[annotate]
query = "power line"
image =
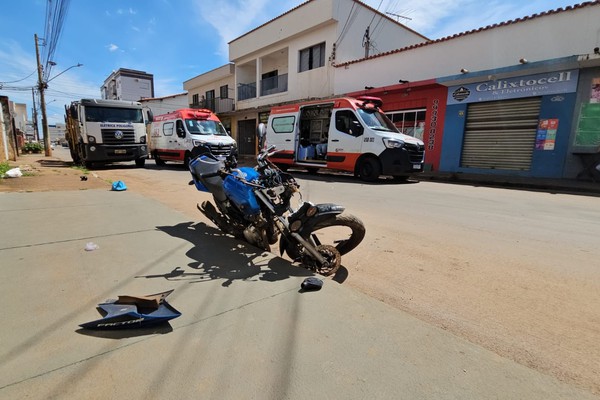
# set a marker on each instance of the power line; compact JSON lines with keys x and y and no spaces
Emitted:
{"x":56,"y":11}
{"x":19,"y":80}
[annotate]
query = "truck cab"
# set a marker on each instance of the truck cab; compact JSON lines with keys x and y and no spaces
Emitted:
{"x":101,"y":131}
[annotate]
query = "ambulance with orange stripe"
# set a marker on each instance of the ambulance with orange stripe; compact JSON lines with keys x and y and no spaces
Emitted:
{"x":344,"y":134}
{"x":175,"y":134}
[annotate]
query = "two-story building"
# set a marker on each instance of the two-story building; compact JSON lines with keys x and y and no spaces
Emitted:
{"x":325,"y":48}
{"x":293,"y":57}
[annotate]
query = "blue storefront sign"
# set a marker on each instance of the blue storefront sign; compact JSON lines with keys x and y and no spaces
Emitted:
{"x":511,"y":88}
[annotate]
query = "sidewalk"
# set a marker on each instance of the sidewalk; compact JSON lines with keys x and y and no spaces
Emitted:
{"x":246,"y":330}
{"x":571,"y":186}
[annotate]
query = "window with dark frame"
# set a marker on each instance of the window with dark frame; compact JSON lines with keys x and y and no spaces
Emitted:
{"x":409,"y":122}
{"x":312,"y":57}
{"x":224,"y":91}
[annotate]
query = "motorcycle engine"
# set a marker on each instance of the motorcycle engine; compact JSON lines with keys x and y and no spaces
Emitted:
{"x":257,"y":237}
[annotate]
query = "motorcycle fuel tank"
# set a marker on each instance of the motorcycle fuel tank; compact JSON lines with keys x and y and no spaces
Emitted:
{"x":240,"y":193}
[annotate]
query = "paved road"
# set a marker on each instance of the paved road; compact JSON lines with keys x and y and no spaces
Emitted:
{"x":246,"y":329}
{"x":514,"y":271}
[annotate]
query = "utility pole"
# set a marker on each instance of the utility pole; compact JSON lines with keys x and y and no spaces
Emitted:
{"x":36,"y":134}
{"x":367,"y":42}
{"x":42,"y":85}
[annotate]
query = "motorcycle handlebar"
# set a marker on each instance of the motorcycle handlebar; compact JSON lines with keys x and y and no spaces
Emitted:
{"x":266,"y":153}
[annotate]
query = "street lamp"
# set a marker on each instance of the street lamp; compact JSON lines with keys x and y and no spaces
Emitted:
{"x":57,"y":75}
{"x":42,"y":85}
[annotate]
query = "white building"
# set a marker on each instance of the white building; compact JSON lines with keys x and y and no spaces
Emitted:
{"x":540,"y":37}
{"x":166,"y":104}
{"x":293,"y":57}
{"x":325,"y":48}
{"x":128,"y":84}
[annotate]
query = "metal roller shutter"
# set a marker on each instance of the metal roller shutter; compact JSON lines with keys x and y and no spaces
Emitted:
{"x":501,"y":134}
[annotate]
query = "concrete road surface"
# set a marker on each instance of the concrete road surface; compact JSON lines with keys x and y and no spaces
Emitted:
{"x":246,"y":330}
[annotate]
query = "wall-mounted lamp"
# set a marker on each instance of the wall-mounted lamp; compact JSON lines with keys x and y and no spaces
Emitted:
{"x":523,"y":61}
{"x":402,"y":81}
{"x":369,"y":87}
{"x":596,"y":50}
{"x":464,"y":70}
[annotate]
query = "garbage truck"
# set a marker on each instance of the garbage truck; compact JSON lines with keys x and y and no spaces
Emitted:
{"x":103,"y":131}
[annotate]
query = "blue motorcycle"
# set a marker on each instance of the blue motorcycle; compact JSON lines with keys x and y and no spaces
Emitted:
{"x":254,"y":205}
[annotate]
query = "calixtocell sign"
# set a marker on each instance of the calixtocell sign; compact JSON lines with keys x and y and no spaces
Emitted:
{"x":515,"y":87}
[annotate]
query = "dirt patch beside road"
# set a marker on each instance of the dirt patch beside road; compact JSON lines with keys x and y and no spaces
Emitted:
{"x":42,"y":174}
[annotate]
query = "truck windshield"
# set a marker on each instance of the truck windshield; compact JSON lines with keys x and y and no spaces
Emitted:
{"x":113,"y":114}
{"x":376,"y":120}
{"x":205,"y":127}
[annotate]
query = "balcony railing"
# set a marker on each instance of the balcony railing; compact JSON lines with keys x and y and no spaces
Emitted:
{"x":218,"y":105}
{"x":275,"y":84}
{"x":246,"y":91}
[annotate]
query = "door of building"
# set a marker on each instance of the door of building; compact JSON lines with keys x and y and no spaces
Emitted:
{"x":501,"y":134}
{"x":247,"y":137}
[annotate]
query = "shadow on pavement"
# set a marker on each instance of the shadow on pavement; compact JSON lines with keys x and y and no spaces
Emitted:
{"x":219,"y":256}
{"x":159,"y":329}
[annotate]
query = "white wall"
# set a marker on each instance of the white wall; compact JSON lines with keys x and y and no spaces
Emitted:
{"x":167,"y":104}
{"x":547,"y":37}
{"x":386,"y":34}
{"x":133,"y":89}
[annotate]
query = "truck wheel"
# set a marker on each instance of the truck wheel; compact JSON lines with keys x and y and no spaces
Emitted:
{"x":369,"y":169}
{"x":158,"y":161}
{"x":140,"y":162}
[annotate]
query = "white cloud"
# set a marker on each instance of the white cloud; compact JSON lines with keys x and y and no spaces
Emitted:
{"x":112,"y":47}
{"x":241,"y":16}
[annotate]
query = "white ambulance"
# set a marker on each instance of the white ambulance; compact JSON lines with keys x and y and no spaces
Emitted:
{"x":175,"y":134}
{"x":344,"y":134}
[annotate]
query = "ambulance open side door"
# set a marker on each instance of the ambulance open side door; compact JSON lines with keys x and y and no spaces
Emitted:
{"x":282,"y":134}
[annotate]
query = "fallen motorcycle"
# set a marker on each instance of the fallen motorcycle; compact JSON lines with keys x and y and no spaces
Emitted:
{"x":254,"y":205}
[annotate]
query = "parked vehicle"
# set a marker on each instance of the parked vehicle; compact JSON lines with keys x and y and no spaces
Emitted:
{"x":254,"y":204}
{"x":174,"y":135}
{"x":344,"y":134}
{"x":103,"y":131}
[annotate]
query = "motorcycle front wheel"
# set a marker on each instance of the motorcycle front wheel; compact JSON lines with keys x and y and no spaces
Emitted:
{"x":343,"y":231}
{"x":333,"y":260}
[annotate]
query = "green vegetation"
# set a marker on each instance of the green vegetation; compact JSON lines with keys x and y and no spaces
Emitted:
{"x":34,"y":147}
{"x":3,"y":168}
{"x":81,"y":168}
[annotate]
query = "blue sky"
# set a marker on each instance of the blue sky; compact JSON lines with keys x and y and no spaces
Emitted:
{"x":176,"y":40}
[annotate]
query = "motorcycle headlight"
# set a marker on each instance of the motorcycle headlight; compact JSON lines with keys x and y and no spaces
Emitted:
{"x":393,"y":143}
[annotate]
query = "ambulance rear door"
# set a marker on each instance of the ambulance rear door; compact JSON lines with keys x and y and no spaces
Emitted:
{"x":281,"y":132}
